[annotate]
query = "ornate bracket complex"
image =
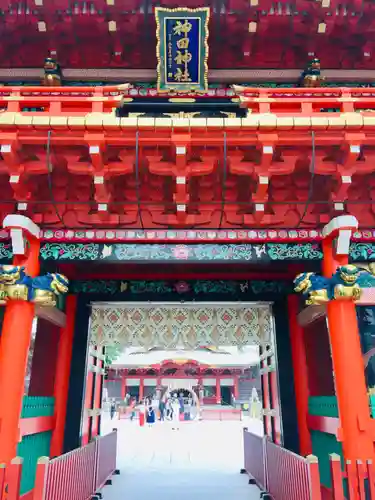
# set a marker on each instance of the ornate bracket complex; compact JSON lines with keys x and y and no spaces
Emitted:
{"x":340,"y":280}
{"x":319,"y":290}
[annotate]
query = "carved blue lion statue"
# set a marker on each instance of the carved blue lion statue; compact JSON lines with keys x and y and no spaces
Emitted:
{"x":319,"y":290}
{"x":15,"y":284}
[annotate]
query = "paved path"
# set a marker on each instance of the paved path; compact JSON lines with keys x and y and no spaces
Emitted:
{"x":201,"y":461}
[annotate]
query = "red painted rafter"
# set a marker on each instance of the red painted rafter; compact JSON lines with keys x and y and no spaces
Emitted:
{"x":36,"y":425}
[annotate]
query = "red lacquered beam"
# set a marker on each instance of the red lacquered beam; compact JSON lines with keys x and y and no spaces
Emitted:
{"x":102,"y":98}
{"x":329,"y":425}
{"x":35,"y":425}
{"x":63,"y":90}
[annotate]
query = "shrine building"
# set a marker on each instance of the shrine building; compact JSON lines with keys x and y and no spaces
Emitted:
{"x":219,"y":377}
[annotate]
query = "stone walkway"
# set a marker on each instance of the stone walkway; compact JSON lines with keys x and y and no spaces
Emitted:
{"x":201,"y":461}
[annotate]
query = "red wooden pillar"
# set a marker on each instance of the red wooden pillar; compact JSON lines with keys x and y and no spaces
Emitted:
{"x":45,"y":358}
{"x":62,"y":376}
{"x":355,"y":430}
{"x":123,"y":386}
{"x":301,"y":384}
{"x":15,"y":336}
{"x":218,"y":391}
{"x":266,"y":393}
{"x":87,"y":418}
{"x":274,"y":394}
{"x":141,"y":387}
{"x":200,"y":390}
{"x":97,"y":400}
{"x":93,"y":394}
{"x":235,"y":388}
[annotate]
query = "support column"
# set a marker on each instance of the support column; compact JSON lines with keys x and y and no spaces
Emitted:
{"x":98,"y":390}
{"x":218,"y":391}
{"x":141,"y":388}
{"x":355,"y":430}
{"x":301,"y":385}
{"x":123,"y":386}
{"x":16,"y":335}
{"x":159,"y":388}
{"x":235,"y":388}
{"x":200,"y":390}
{"x":61,"y":388}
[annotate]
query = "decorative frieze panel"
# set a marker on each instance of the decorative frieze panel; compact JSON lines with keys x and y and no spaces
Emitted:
{"x":206,"y":252}
{"x":119,"y":252}
{"x":173,"y":325}
{"x":187,"y":289}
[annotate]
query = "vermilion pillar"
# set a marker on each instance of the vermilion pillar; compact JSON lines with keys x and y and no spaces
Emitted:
{"x":62,"y":376}
{"x":141,"y":388}
{"x":88,"y":401}
{"x":98,"y":386}
{"x":15,"y":336}
{"x":123,"y":386}
{"x":301,"y":383}
{"x":355,"y":423}
{"x":235,"y":388}
{"x":218,"y":391}
{"x":200,"y":390}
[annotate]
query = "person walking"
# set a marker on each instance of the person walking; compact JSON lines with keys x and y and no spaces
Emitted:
{"x":132,"y":410}
{"x":162,"y":410}
{"x":168,"y":409}
{"x":142,"y":411}
{"x":175,"y":413}
{"x":150,"y":416}
{"x":112,"y":409}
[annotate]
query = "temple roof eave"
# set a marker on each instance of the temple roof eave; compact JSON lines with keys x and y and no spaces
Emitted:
{"x":206,"y":360}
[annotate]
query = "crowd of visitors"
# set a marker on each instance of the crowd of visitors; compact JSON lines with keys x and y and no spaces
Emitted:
{"x":172,"y":407}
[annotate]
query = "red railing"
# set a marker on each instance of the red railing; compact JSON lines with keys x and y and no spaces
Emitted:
{"x":77,"y":475}
{"x":288,"y":474}
{"x":105,"y":459}
{"x":77,"y":101}
{"x":254,"y":459}
{"x":72,"y":475}
{"x":360,"y":479}
{"x":281,"y":473}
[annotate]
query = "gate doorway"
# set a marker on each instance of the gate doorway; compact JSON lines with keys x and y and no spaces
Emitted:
{"x":185,"y":346}
{"x":226,"y":396}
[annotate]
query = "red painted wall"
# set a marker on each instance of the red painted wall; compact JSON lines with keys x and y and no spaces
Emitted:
{"x":44,"y":359}
{"x":318,"y":356}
